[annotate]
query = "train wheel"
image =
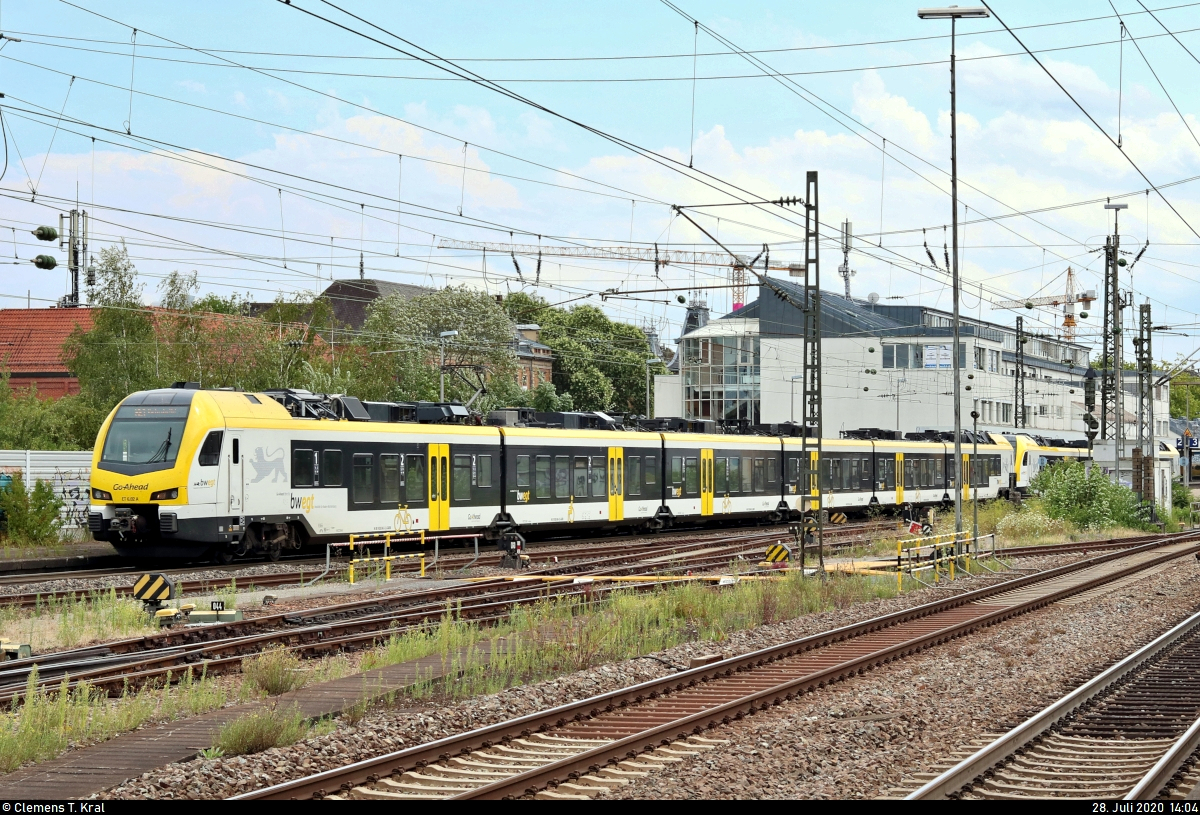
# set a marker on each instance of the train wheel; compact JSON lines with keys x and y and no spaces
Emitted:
{"x":223,"y":557}
{"x":274,"y":553}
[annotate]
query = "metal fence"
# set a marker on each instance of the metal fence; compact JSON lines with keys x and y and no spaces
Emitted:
{"x":68,"y":472}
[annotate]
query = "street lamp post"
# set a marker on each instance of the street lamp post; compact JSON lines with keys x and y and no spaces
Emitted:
{"x":445,"y":335}
{"x":794,"y":378}
{"x":953,"y":14}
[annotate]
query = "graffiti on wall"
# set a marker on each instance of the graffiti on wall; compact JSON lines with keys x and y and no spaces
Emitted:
{"x":71,"y":485}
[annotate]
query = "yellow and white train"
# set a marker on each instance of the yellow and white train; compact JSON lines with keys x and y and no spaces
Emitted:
{"x":188,"y":473}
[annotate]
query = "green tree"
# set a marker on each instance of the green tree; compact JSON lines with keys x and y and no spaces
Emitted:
{"x":120,"y":354}
{"x":601,"y":362}
{"x":1185,"y":394}
{"x":400,"y":346}
{"x":30,"y":423}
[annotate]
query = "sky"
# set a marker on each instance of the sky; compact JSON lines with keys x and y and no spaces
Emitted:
{"x":268,"y":146}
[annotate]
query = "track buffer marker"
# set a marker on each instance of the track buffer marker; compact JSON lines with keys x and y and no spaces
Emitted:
{"x":779,"y":553}
{"x":154,"y":589}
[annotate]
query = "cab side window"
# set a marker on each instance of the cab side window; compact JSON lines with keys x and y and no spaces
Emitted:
{"x":210,"y":451}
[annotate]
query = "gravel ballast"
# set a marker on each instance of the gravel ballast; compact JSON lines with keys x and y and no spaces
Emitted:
{"x":384,"y":730}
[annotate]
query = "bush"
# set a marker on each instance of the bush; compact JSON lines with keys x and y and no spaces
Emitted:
{"x":1088,"y":500}
{"x":261,"y":730}
{"x":1029,"y":523}
{"x":274,"y":671}
{"x":1181,"y":496}
{"x":32,"y":518}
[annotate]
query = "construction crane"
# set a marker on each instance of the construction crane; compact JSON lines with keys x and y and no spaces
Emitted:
{"x":659,"y":257}
{"x":1067,"y":300}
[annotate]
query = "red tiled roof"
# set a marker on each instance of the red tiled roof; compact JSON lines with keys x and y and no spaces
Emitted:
{"x":31,"y":339}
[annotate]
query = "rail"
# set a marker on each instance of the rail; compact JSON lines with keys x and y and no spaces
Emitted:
{"x":962,"y":615}
{"x":965,"y":773}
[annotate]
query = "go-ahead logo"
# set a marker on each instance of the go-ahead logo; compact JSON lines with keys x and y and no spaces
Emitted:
{"x":126,"y":487}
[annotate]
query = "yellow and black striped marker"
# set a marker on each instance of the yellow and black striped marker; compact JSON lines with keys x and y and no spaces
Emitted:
{"x":153,"y":588}
{"x":810,"y":522}
{"x":837,"y":518}
{"x":778,"y":553}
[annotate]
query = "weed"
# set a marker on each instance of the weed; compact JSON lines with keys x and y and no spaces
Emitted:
{"x":562,"y":635}
{"x":210,"y":753}
{"x":274,"y":671}
{"x":229,"y":594}
{"x":50,"y":720}
{"x":355,"y":713}
{"x":261,"y":730}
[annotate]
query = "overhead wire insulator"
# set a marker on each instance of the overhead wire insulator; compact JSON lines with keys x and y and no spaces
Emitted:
{"x":932,"y":261}
{"x":45,"y":262}
{"x":517,"y":266}
{"x":45,"y":233}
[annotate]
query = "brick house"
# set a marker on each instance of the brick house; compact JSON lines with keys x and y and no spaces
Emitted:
{"x":31,"y":341}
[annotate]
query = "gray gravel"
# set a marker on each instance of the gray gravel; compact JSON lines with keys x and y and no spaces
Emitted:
{"x":824,"y":745}
{"x":384,"y":730}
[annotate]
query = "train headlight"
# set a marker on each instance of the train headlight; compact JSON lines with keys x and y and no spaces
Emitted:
{"x":101,"y":495}
{"x":165,"y":495}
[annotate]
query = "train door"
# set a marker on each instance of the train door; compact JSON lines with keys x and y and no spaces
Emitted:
{"x":616,"y":483}
{"x":706,"y":482}
{"x":236,"y":482}
{"x":968,"y":477}
{"x":899,"y":479}
{"x":439,"y":487}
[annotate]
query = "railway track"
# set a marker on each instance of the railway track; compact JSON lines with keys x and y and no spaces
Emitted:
{"x":840,"y":538}
{"x":1130,"y":733}
{"x":350,"y":625}
{"x":579,"y":749}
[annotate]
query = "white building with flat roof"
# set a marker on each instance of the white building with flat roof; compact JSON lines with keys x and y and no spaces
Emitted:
{"x":883,"y":366}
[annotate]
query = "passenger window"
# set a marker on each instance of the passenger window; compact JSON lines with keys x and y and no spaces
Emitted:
{"x":676,"y":469}
{"x":461,"y":487}
{"x":303,"y":468}
{"x":331,"y":467}
{"x":747,"y":474}
{"x":771,"y":474}
{"x":691,"y":477}
{"x":760,"y":482}
{"x":735,"y":474}
{"x":580,"y":487}
{"x":562,"y":477}
{"x":364,"y":483}
{"x":542,"y":477}
{"x":719,"y":469}
{"x":599,"y":483}
{"x":210,"y":451}
{"x":414,"y":478}
{"x":633,"y":475}
{"x":483,"y":471}
{"x":793,"y":464}
{"x":389,"y":478}
{"x":651,"y":469}
{"x":523,"y":471}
